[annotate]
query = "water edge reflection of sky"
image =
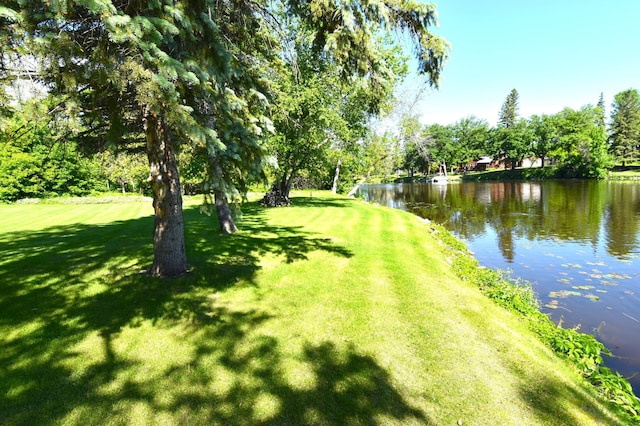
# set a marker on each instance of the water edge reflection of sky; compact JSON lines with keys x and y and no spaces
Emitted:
{"x":577,"y":242}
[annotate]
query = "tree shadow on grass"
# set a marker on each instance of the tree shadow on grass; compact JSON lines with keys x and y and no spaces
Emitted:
{"x":46,"y":273}
{"x":320,"y":202}
{"x":87,"y":339}
{"x":545,"y":394}
{"x":257,"y":238}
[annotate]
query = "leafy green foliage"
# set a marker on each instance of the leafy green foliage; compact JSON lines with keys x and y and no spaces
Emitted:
{"x":545,"y":135}
{"x":513,"y":143}
{"x":471,"y":136}
{"x":350,"y":31}
{"x":615,"y":389}
{"x":339,"y":71}
{"x":319,"y":115}
{"x":35,"y":158}
{"x":581,"y":149}
{"x":456,"y":145}
{"x":195,"y":75}
{"x":416,"y":143}
{"x":124,"y":169}
{"x":441,"y":141}
{"x":582,"y":349}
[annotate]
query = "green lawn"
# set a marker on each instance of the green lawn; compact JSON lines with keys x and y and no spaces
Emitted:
{"x":328,"y":312}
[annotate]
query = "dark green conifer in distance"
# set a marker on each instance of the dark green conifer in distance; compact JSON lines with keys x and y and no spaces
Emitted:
{"x":601,"y":118}
{"x":509,"y":111}
{"x":625,"y":126}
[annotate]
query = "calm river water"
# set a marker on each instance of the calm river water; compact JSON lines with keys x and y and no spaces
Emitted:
{"x":577,"y":242}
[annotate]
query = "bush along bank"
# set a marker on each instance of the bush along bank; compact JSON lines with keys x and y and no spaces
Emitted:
{"x":584,"y":351}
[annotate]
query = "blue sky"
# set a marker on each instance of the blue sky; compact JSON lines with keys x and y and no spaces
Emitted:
{"x":556,"y":54}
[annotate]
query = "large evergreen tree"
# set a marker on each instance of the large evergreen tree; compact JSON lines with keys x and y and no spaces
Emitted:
{"x":153,"y":69}
{"x":602,"y":116}
{"x":192,"y":72}
{"x":511,"y":137}
{"x":509,"y":111}
{"x":625,"y":126}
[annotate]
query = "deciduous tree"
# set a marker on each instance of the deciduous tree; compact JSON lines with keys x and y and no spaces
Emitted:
{"x":38,"y":157}
{"x":471,"y":136}
{"x":582,"y":150}
{"x":416,"y":145}
{"x":545,"y":135}
{"x":442,"y":140}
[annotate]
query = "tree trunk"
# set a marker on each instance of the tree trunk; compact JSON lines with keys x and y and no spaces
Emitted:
{"x":285,"y":185}
{"x":227,"y":225}
{"x":357,"y":186}
{"x":336,"y":176}
{"x":169,"y":255}
{"x":225,"y":219}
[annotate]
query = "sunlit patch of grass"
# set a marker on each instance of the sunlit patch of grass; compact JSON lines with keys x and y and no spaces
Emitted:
{"x":328,"y":312}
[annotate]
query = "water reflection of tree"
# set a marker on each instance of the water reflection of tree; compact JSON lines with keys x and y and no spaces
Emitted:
{"x":568,"y":210}
{"x":572,"y":210}
{"x":622,"y":218}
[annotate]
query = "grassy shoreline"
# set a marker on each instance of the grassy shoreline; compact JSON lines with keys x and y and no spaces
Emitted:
{"x":329,"y":312}
{"x":631,"y":173}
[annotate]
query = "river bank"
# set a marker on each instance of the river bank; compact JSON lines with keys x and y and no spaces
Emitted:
{"x":631,"y":173}
{"x":332,"y":311}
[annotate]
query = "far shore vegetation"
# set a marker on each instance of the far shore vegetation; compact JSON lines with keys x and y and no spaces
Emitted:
{"x":630,"y":173}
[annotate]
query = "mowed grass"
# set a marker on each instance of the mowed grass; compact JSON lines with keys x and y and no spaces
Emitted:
{"x":329,"y":312}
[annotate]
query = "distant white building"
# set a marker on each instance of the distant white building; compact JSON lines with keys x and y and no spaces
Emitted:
{"x":531,"y":162}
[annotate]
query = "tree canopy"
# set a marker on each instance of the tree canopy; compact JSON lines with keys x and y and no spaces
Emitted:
{"x":177,"y":74}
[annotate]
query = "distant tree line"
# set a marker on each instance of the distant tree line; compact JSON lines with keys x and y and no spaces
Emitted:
{"x":577,"y":143}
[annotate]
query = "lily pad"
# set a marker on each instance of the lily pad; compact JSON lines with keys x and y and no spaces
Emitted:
{"x":583,"y":287}
{"x":563,"y":294}
{"x":552,"y":304}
